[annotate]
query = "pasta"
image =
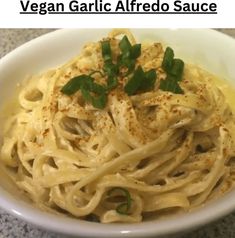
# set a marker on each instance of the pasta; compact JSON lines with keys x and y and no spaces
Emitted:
{"x":143,"y":154}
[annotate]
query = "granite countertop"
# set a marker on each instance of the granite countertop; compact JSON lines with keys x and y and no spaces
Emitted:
{"x":12,"y":227}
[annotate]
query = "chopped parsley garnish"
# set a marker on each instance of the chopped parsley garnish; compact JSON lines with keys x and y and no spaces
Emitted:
{"x":137,"y":79}
{"x":149,"y":80}
{"x":122,"y":208}
{"x":174,"y":69}
{"x":106,"y":51}
{"x":74,"y":84}
{"x":91,"y":91}
{"x":129,"y":54}
{"x":140,"y":81}
{"x":109,"y":67}
{"x":168,"y":59}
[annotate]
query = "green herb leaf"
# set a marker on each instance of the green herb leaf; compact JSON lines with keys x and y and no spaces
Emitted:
{"x":87,"y":86}
{"x":170,"y":84}
{"x":112,"y":72}
{"x":95,"y":93}
{"x":135,"y":51}
{"x":149,"y":80}
{"x":111,"y":69}
{"x":125,"y":45}
{"x":98,"y":101}
{"x":177,"y":68}
{"x":112,"y":82}
{"x":91,"y":86}
{"x":141,"y":81}
{"x":135,"y":82}
{"x":168,"y":59}
{"x":106,"y":50}
{"x":174,"y":69}
{"x":122,"y":208}
{"x":129,"y":64}
{"x":74,"y":84}
{"x":129,"y":55}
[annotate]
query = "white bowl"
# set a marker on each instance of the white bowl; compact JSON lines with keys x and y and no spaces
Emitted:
{"x":208,"y":48}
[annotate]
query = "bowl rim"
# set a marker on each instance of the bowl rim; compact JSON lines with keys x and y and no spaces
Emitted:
{"x":69,"y":226}
{"x":75,"y":227}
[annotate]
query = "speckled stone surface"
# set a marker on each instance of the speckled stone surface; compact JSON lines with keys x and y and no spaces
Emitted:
{"x":11,"y":227}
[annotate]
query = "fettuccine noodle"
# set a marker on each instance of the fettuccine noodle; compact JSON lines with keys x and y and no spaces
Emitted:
{"x":171,"y":152}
